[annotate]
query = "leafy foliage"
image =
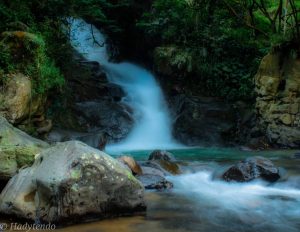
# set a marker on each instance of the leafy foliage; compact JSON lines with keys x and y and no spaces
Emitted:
{"x":48,"y":21}
{"x":25,"y":52}
{"x":225,"y":38}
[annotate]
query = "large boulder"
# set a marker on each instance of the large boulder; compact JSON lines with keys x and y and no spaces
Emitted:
{"x":93,"y":106}
{"x":278,"y":97}
{"x":252,"y":168}
{"x":72,"y":181}
{"x":112,"y":117}
{"x":17,"y":100}
{"x":202,"y":120}
{"x":17,"y":149}
{"x":22,"y":101}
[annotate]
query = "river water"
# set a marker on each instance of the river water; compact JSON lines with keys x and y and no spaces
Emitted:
{"x":199,"y":201}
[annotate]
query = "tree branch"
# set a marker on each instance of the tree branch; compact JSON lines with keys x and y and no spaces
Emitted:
{"x":232,"y":10}
{"x":94,"y":39}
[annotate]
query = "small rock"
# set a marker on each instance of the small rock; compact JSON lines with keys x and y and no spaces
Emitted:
{"x":165,"y":160}
{"x":132,"y":164}
{"x":161,"y":155}
{"x":252,"y":168}
{"x":153,"y":177}
{"x":155,"y":182}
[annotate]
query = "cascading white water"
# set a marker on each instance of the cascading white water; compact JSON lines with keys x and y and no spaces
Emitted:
{"x":256,"y":204}
{"x":152,"y":128}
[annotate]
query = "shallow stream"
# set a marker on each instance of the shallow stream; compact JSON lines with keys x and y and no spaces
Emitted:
{"x":199,"y":201}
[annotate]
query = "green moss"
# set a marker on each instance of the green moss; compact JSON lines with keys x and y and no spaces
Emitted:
{"x":76,"y":174}
{"x":8,"y":164}
{"x":23,"y":155}
{"x":26,"y":52}
{"x":130,"y":176}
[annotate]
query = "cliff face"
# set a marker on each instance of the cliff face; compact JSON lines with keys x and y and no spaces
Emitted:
{"x":278,"y":98}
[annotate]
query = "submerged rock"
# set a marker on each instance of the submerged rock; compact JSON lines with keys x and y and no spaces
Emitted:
{"x":72,"y":181}
{"x":252,"y":168}
{"x":17,"y":149}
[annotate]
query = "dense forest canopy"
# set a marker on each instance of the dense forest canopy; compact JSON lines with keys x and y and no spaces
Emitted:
{"x":218,"y":43}
{"x":222,"y":41}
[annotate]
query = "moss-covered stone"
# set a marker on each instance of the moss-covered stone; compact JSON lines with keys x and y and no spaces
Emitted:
{"x":72,"y":180}
{"x":17,"y":149}
{"x":18,"y":102}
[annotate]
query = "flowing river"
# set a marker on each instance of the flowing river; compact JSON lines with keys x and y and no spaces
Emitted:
{"x":201,"y":202}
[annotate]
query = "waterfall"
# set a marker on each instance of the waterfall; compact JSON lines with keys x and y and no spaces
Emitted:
{"x":152,"y":129}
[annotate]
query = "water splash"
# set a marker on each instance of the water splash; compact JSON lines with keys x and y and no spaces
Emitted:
{"x":152,"y":128}
{"x":256,"y":203}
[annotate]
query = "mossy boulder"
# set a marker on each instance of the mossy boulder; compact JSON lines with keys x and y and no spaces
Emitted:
{"x":25,"y":52}
{"x":21,"y":48}
{"x":17,"y":149}
{"x":17,"y":101}
{"x":69,"y":182}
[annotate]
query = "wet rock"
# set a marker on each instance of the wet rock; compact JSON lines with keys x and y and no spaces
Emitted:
{"x":154,"y":171}
{"x":259,"y":143}
{"x":93,"y":105}
{"x":17,"y":149}
{"x":154,"y":176}
{"x":115,"y":91}
{"x":69,"y":182}
{"x":155,"y":182}
{"x":202,"y":120}
{"x":132,"y":164}
{"x":161,"y":155}
{"x":112,"y":117}
{"x":252,"y":168}
{"x":165,"y":160}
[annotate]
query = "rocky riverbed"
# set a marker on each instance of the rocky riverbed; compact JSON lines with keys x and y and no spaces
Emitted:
{"x":182,"y":190}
